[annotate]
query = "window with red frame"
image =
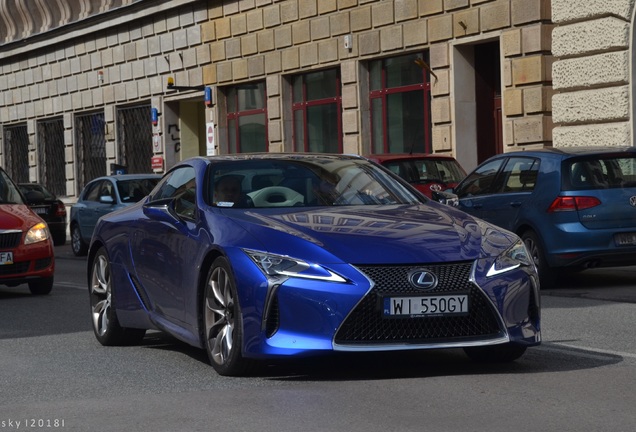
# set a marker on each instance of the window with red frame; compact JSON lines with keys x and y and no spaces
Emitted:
{"x":317,"y":110}
{"x":247,"y":118}
{"x":400,"y":104}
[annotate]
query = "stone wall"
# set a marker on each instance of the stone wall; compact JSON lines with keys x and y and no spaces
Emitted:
{"x":592,"y":41}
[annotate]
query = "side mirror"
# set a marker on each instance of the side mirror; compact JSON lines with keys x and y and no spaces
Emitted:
{"x":446,"y":197}
{"x":162,"y":210}
{"x":106,"y":199}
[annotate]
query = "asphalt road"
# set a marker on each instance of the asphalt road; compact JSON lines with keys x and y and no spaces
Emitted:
{"x":54,"y":374}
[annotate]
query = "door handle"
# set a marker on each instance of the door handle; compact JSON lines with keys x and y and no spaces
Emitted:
{"x":515,"y":204}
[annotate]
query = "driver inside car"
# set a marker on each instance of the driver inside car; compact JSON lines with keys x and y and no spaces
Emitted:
{"x":228,"y":192}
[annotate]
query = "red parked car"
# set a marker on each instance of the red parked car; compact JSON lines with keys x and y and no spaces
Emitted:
{"x":427,"y":172}
{"x":26,"y":248}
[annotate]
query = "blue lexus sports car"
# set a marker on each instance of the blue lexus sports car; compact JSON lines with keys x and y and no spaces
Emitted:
{"x":258,"y":256}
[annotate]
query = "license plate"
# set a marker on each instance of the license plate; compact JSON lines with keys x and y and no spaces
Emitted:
{"x":6,"y":258}
{"x":40,"y":210}
{"x":625,"y":239}
{"x":426,"y":305}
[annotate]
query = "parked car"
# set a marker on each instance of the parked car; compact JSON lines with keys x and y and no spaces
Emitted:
{"x":257,"y":256}
{"x":51,"y":209}
{"x":26,"y":249}
{"x":427,"y":172}
{"x":101,"y":196}
{"x":575,"y":208}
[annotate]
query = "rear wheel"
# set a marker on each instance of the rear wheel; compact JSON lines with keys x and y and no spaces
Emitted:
{"x":41,"y":286}
{"x":222,"y":322}
{"x":547,"y":275}
{"x":78,"y":245}
{"x":503,"y":353}
{"x":104,"y":317}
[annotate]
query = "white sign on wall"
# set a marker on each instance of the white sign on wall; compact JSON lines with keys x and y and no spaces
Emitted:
{"x":210,"y":144}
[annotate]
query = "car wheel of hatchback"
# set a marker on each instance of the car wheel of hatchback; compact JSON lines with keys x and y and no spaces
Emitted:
{"x":41,"y":286}
{"x":222,"y":322}
{"x":78,"y":245}
{"x":547,"y":275}
{"x":105,"y":323}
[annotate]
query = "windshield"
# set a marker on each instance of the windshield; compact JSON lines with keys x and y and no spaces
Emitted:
{"x":427,"y":170}
{"x":303,"y":182}
{"x":134,"y":190}
{"x":9,"y":193}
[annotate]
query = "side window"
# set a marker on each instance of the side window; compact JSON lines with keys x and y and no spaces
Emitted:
{"x":481,"y":181}
{"x":92,"y":194}
{"x":520,"y":174}
{"x":180,"y":185}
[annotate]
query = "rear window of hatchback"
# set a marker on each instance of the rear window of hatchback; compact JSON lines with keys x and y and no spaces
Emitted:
{"x":604,"y":172}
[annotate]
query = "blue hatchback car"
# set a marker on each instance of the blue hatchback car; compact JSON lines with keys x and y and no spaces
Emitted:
{"x":575,"y":208}
{"x":258,"y":256}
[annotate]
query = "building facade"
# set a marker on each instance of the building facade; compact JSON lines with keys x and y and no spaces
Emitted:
{"x":593,"y":77}
{"x":84,"y":84}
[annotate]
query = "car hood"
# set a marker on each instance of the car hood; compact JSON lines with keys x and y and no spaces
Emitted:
{"x":17,"y":217}
{"x":376,"y":234}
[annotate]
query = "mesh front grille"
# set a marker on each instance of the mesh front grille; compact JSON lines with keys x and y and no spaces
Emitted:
{"x":10,"y":240}
{"x":15,"y":268}
{"x":366,"y":324}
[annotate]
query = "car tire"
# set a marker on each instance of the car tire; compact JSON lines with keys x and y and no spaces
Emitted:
{"x":59,"y":238}
{"x":222,"y":322}
{"x":41,"y":286}
{"x":106,"y":326}
{"x":78,"y":245}
{"x":503,"y":353}
{"x":547,"y":274}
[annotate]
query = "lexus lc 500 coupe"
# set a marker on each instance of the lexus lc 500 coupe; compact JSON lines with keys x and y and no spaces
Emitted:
{"x":26,"y":247}
{"x":575,"y":208}
{"x":260,"y":256}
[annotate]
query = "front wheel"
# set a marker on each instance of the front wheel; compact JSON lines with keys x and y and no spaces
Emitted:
{"x":222,"y":321}
{"x":78,"y":245}
{"x":104,"y":317}
{"x":503,"y":353}
{"x":547,"y":275}
{"x":41,"y":286}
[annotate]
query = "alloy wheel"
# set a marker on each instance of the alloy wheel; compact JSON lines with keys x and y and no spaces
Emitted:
{"x":100,"y":295}
{"x":219,"y":316}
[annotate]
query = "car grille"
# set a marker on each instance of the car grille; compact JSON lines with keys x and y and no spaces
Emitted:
{"x":15,"y":268}
{"x":366,"y":324}
{"x":10,"y":240}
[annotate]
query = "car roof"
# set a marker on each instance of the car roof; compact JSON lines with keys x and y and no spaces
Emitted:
{"x":119,"y":177}
{"x":573,"y":151}
{"x":383,"y":157}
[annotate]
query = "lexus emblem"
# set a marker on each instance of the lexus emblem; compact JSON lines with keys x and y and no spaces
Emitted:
{"x":423,"y":279}
{"x":632,"y":201}
{"x":435,"y":187}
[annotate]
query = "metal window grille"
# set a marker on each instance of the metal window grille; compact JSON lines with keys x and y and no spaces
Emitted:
{"x":90,"y":138}
{"x":51,"y":163}
{"x":134,"y":137}
{"x":16,"y":151}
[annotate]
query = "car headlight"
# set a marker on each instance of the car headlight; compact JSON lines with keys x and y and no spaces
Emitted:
{"x":514,"y":257}
{"x":283,"y":265}
{"x":36,"y":234}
